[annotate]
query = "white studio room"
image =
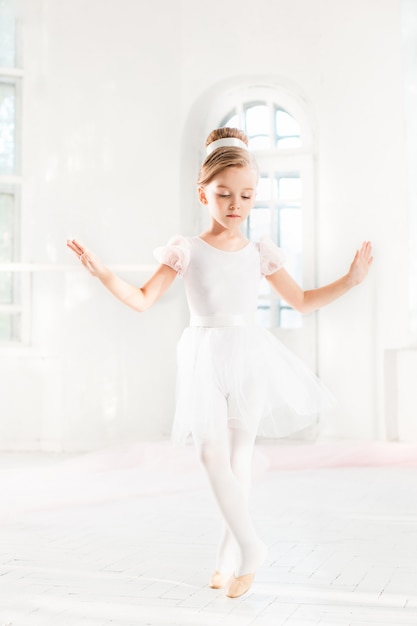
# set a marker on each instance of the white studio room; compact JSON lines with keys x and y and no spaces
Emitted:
{"x":106,"y":518}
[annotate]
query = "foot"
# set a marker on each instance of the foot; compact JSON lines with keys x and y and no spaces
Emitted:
{"x":239,"y":585}
{"x":251,"y":558}
{"x":218,"y":580}
{"x":255,"y":556}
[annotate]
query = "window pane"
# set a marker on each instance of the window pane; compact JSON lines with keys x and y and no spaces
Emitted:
{"x":6,"y":246}
{"x":261,"y":142}
{"x":291,"y":238}
{"x":263,"y":190}
{"x":264,"y":316}
{"x":264,"y":291}
{"x":6,"y":288}
{"x":286,"y":125}
{"x":7,"y":33}
{"x":257,"y":127}
{"x":289,"y":142}
{"x":291,"y":224}
{"x":259,"y":223}
{"x":290,"y":188}
{"x":257,"y":120}
{"x":10,"y":326}
{"x":7,"y":128}
{"x":291,"y":319}
{"x":6,"y":227}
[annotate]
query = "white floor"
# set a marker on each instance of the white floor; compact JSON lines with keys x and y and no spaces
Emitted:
{"x":127,"y":537}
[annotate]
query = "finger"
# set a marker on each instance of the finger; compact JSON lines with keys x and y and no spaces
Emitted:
{"x":71,"y":246}
{"x":366,"y":249}
{"x":79,"y":248}
{"x":369,"y":251}
{"x":367,"y":254}
{"x":75,"y":246}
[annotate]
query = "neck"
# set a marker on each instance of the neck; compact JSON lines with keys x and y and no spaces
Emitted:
{"x":217,"y":230}
{"x":224,"y":238}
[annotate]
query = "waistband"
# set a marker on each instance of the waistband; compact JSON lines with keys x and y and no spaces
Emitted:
{"x":221,"y":321}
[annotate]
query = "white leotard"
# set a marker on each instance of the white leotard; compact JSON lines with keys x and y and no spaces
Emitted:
{"x":228,"y":366}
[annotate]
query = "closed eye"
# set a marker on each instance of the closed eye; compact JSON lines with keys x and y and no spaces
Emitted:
{"x":227,"y":195}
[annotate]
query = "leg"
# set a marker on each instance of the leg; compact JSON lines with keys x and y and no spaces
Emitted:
{"x":241,"y":444}
{"x":232,"y":498}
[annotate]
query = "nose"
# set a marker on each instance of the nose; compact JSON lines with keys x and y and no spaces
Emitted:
{"x":234,"y":205}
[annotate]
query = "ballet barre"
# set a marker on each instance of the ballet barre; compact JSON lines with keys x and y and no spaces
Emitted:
{"x":56,"y":267}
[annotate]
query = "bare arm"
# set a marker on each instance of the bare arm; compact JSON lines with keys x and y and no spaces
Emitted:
{"x":312,"y":299}
{"x":137,"y":298}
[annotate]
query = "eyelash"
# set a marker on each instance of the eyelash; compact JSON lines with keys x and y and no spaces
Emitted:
{"x":221,"y":195}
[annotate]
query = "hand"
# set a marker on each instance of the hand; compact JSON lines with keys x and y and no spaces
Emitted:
{"x":90,"y":261}
{"x":361,"y":263}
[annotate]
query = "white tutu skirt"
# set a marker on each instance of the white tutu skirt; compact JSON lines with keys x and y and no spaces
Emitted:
{"x":242,"y":373}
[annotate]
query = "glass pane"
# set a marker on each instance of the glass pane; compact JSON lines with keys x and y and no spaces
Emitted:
{"x":260,"y":142}
{"x":289,"y":142}
{"x":291,"y":319}
{"x":259,"y":223}
{"x":286,"y":125}
{"x":263,"y":190}
{"x":257,"y":120}
{"x":7,"y":128}
{"x":264,"y":316}
{"x":290,"y":188}
{"x":7,"y":33}
{"x":291,"y":239}
{"x":264,"y":291}
{"x":10,"y":326}
{"x":6,"y":288}
{"x":6,"y":246}
{"x":6,"y":227}
{"x":291,"y":225}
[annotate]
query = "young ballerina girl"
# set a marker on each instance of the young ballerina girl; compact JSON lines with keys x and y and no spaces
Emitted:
{"x":235,"y":379}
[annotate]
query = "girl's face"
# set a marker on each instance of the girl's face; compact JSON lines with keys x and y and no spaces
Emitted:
{"x":230,"y":196}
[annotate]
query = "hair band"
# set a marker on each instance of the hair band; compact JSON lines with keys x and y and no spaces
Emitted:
{"x":227,"y":142}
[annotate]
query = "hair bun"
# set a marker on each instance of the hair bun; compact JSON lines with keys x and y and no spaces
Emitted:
{"x":227,"y":142}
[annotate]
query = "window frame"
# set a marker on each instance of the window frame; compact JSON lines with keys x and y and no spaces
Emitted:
{"x":280,"y":161}
{"x":11,"y":183}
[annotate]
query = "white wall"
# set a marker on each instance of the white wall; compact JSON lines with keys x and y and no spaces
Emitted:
{"x":115,"y":93}
{"x":362,"y":194}
{"x":100,"y":163}
{"x":409,"y":32}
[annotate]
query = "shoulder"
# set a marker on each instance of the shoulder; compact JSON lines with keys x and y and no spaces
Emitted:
{"x":176,"y":253}
{"x":272,"y":257}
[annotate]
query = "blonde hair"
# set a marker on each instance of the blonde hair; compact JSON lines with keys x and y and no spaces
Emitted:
{"x":225,"y":156}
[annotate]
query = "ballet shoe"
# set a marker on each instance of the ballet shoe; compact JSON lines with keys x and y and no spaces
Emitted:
{"x":218,"y":580}
{"x":239,"y":585}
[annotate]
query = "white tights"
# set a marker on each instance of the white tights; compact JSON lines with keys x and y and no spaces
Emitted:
{"x":227,"y":462}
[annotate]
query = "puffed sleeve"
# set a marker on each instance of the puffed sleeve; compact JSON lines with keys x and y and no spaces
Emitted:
{"x":175,"y":254}
{"x":272,"y":257}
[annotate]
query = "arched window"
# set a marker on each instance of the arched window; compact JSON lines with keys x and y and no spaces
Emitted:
{"x":275,"y":138}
